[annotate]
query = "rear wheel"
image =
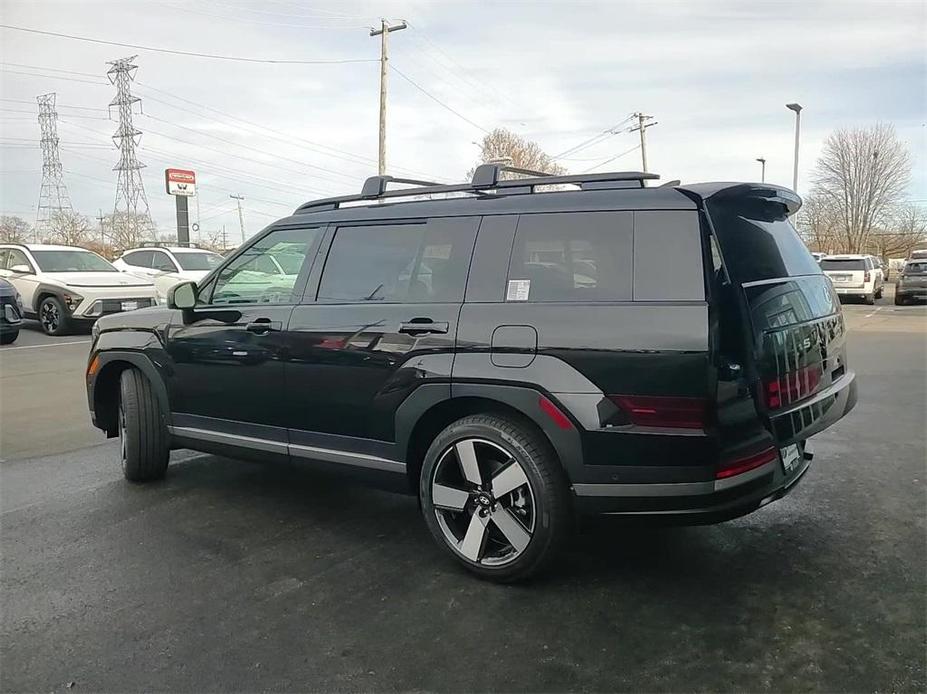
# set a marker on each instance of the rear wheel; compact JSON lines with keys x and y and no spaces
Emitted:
{"x":143,"y":439}
{"x":494,"y":496}
{"x":869,"y":299}
{"x":52,"y":316}
{"x":899,"y":299}
{"x":879,"y":293}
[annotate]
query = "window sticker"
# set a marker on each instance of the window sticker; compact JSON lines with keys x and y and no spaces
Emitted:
{"x":518,"y":290}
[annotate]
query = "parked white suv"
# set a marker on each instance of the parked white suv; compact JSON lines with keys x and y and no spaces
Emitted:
{"x":168,"y":265}
{"x":64,"y":286}
{"x":854,"y":275}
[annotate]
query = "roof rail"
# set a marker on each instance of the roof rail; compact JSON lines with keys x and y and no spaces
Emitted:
{"x":485,"y":180}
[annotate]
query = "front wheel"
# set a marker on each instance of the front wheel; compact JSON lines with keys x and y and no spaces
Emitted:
{"x":9,"y":338}
{"x":53,"y":318}
{"x":144,"y":448}
{"x":899,"y":300}
{"x":494,"y":496}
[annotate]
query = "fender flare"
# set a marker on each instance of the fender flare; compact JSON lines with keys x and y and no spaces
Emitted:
{"x":137,"y":360}
{"x":43,"y":289}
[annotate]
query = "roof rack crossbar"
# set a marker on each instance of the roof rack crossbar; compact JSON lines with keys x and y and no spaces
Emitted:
{"x":485,"y":179}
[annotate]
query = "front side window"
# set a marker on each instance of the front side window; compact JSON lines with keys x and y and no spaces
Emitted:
{"x":196,"y":262}
{"x":17,"y":257}
{"x":161,"y":261}
{"x":580,"y":257}
{"x":408,"y":263}
{"x":71,"y":261}
{"x":251,"y":279}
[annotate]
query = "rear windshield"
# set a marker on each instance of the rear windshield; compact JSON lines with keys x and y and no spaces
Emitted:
{"x":850,"y":264}
{"x":758,"y":241}
{"x":919,"y":268}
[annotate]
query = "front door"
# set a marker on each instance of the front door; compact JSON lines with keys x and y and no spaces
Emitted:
{"x":228,"y":352}
{"x":384,"y":322}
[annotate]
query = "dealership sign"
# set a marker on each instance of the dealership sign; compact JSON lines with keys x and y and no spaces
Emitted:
{"x":180,"y":182}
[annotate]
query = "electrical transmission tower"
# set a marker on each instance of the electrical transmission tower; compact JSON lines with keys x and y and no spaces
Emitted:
{"x":131,"y":215}
{"x":53,"y":197}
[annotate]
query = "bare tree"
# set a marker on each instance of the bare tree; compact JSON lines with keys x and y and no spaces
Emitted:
{"x":68,"y":228}
{"x":127,"y":230}
{"x":503,"y":145}
{"x":906,"y":229}
{"x":14,"y":229}
{"x":862,"y":172}
{"x":817,"y":224}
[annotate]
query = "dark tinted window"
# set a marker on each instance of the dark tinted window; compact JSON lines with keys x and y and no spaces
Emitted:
{"x":198,"y":261}
{"x":915,"y":268}
{"x":758,"y":242}
{"x":836,"y":264}
{"x":408,"y":263}
{"x":249,"y":278}
{"x":161,"y":261}
{"x":138,"y":259}
{"x":668,"y":262}
{"x":585,"y":256}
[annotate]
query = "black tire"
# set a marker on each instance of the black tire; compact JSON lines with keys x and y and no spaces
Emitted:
{"x":53,"y":317}
{"x":9,"y":338}
{"x":879,"y":293}
{"x":543,"y":494}
{"x":869,"y":299}
{"x":900,"y":300}
{"x":143,"y":438}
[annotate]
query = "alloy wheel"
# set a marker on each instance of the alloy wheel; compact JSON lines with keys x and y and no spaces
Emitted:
{"x":483,"y":502}
{"x":49,"y":317}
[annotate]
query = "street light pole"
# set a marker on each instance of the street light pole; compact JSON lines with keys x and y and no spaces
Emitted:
{"x":762,"y":169}
{"x":797,"y":109}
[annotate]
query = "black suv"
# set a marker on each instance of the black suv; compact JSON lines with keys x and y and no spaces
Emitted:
{"x":516,"y":353}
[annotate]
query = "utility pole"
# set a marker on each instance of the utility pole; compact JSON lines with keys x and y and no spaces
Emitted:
{"x":102,"y":234}
{"x":53,"y":195}
{"x":225,"y":239}
{"x":131,"y":200}
{"x":642,"y":127}
{"x":241,"y":218}
{"x":762,"y":161}
{"x":383,"y":32}
{"x":797,"y":109}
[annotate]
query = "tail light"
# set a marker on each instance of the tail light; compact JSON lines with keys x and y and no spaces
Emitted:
{"x":867,"y":276}
{"x":660,"y":411}
{"x":792,"y":386}
{"x":738,"y":466}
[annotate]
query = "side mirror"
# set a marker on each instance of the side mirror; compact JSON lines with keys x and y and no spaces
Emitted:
{"x":182,"y":296}
{"x":21,"y":270}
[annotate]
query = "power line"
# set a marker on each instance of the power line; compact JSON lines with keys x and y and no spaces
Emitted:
{"x":53,"y":69}
{"x":604,"y":135}
{"x":611,"y":159}
{"x":436,"y":99}
{"x":81,"y":108}
{"x":53,"y":77}
{"x":191,"y":54}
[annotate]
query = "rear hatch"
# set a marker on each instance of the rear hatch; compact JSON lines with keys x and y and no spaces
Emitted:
{"x":788,"y":320}
{"x":849,"y":273}
{"x":914,"y":274}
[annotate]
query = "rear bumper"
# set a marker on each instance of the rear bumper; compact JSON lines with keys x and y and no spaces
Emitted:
{"x":693,"y":503}
{"x":855,"y":291}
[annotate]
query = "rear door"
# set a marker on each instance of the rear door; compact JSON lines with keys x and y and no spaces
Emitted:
{"x":383,"y":322}
{"x":789,"y":318}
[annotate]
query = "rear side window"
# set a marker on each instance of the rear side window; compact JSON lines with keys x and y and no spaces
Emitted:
{"x":833,"y":264}
{"x":577,"y":257}
{"x":399,"y":263}
{"x":138,"y":259}
{"x":668,"y":262}
{"x":758,"y":241}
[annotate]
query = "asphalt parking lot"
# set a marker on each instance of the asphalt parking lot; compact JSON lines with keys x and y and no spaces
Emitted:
{"x":234,"y":576}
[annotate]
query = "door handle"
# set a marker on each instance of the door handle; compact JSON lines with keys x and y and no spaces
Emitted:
{"x":262,"y":326}
{"x":423,"y":326}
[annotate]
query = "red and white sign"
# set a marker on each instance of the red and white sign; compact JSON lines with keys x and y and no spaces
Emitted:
{"x":180,"y":182}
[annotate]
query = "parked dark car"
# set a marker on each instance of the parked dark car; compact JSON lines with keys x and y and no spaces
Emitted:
{"x":529,"y":350}
{"x":11,"y":313}
{"x":912,"y":283}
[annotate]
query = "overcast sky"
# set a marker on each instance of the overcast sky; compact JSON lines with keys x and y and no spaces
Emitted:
{"x":714,"y":74}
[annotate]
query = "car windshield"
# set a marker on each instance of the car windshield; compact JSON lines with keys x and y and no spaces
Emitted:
{"x":919,"y":268}
{"x":839,"y":264}
{"x":198,"y":261}
{"x":71,"y":261}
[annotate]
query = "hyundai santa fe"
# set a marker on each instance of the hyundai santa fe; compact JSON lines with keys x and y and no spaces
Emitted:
{"x":517,"y":353}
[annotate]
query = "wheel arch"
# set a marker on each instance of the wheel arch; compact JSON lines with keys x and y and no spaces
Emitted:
{"x":422,"y":418}
{"x":105,"y":387}
{"x":43,"y":291}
